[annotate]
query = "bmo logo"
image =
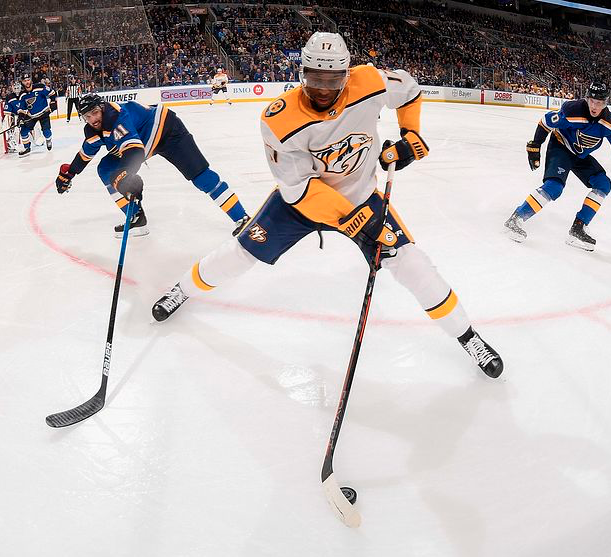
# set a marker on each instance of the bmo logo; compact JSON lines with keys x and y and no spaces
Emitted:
{"x":499,"y":96}
{"x":257,"y":89}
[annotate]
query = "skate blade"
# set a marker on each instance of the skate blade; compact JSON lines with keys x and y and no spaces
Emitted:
{"x":514,"y":236}
{"x":134,"y":232}
{"x":575,"y":243}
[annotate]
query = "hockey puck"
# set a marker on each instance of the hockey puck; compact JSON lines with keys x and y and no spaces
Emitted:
{"x":349,"y":494}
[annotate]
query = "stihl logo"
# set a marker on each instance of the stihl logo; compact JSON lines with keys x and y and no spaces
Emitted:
{"x":107,"y":352}
{"x":257,"y":233}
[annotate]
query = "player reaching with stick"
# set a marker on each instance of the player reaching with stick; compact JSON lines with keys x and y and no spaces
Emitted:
{"x":132,"y":133}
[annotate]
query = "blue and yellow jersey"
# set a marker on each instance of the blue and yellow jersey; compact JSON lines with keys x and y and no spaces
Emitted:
{"x":576,"y":128}
{"x":11,"y":103}
{"x":36,"y":101}
{"x":127,"y":128}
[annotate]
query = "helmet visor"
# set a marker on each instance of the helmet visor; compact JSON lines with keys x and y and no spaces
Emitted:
{"x":332,"y":80}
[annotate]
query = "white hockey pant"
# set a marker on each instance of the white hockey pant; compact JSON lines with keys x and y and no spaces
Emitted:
{"x":228,"y":261}
{"x":412,"y":268}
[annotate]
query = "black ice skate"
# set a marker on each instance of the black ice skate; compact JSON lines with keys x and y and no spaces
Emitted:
{"x":514,"y":227}
{"x":486,"y":358}
{"x":25,"y":151}
{"x":240,"y":225}
{"x":579,"y":238}
{"x":49,"y":144}
{"x":136,"y":228}
{"x":169,"y":303}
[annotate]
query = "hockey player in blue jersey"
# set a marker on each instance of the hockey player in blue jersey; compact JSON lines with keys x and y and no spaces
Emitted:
{"x":34,"y":101}
{"x":132,"y":133}
{"x":578,"y":129}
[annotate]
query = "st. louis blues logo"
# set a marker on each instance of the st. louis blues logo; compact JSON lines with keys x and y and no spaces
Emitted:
{"x":347,"y":155}
{"x":30,"y":102}
{"x":585,"y":142}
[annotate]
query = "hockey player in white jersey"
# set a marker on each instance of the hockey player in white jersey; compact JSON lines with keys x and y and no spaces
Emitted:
{"x":219,"y":85}
{"x":323,"y":149}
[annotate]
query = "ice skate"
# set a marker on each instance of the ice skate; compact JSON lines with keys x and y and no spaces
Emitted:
{"x":137,"y":226}
{"x":169,"y":303}
{"x":486,"y":358}
{"x":240,"y":225}
{"x":25,"y":151}
{"x":514,"y":228}
{"x":49,"y":144}
{"x":579,"y":238}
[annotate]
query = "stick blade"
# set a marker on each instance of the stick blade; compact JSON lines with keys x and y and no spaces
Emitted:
{"x":344,"y":510}
{"x":77,"y":414}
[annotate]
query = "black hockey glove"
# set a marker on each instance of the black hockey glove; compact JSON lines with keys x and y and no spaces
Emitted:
{"x":129,"y":185}
{"x":53,"y":105}
{"x":366,"y":229}
{"x":534,"y":154}
{"x":64,"y":178}
{"x":409,"y":148}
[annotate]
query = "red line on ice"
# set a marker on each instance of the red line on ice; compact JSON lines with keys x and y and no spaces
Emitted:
{"x":52,"y":245}
{"x":586,"y":311}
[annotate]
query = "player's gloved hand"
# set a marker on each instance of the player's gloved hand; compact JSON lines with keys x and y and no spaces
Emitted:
{"x":366,"y":228}
{"x":129,"y":185}
{"x":409,"y":148}
{"x":534,"y":154}
{"x":53,"y":106}
{"x":64,"y":178}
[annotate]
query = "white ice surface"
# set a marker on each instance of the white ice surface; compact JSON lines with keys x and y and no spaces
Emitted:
{"x":216,"y":422}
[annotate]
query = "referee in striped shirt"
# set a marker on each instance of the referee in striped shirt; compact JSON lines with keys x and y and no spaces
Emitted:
{"x":73,"y":92}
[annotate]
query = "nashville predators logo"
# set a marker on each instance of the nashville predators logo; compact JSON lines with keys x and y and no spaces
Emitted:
{"x":347,"y":155}
{"x":257,"y":233}
{"x":585,"y":142}
{"x":277,"y":106}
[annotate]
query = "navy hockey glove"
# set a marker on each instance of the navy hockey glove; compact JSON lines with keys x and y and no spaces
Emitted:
{"x":534,"y":154}
{"x":366,"y":229}
{"x":129,"y":185}
{"x":64,"y":178}
{"x":409,"y":148}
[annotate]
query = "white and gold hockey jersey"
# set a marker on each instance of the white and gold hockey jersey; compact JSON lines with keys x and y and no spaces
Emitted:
{"x":220,"y":80}
{"x":325,"y":162}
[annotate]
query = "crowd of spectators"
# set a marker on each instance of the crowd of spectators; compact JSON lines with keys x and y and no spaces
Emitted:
{"x":161,"y":45}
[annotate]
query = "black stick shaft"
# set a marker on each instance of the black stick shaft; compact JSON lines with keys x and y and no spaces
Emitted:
{"x":327,"y":468}
{"x":115,"y":300}
{"x":96,"y":403}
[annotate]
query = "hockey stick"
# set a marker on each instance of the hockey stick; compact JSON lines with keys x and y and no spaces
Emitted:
{"x":342,"y":500}
{"x":96,"y":403}
{"x":17,"y":124}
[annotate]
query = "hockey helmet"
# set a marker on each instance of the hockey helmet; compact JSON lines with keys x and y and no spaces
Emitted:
{"x":598,"y":90}
{"x":325,"y":63}
{"x":89,"y":101}
{"x":25,"y":76}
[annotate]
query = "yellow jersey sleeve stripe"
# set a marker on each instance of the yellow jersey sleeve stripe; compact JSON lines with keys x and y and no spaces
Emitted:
{"x":444,"y":308}
{"x":84,"y":156}
{"x":131,"y":146}
{"x":577,"y":119}
{"x":94,"y":139}
{"x":159,"y":133}
{"x":321,"y":203}
{"x":197,"y":279}
{"x":605,"y":123}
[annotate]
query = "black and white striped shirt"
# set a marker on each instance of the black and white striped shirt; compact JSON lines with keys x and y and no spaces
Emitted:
{"x":74,"y":91}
